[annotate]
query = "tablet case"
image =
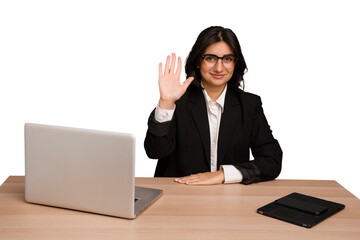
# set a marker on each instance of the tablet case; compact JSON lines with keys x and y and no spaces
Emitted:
{"x":302,"y":210}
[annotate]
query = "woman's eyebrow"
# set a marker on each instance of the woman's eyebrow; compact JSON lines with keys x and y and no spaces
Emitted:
{"x":217,"y":55}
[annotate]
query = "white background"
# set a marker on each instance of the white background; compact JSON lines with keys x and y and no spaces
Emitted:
{"x":93,"y":64}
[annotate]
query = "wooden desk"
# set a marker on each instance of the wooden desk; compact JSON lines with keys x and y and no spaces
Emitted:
{"x":183,"y":212}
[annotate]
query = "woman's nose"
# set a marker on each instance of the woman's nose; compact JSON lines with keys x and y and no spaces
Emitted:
{"x":219,"y":66}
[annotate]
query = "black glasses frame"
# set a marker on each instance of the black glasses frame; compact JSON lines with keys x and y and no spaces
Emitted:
{"x":217,"y":57}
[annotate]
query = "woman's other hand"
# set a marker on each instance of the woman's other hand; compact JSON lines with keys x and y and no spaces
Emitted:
{"x":169,"y":83}
{"x":207,"y":178}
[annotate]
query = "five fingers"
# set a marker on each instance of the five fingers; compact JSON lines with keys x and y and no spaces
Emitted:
{"x":169,"y":79}
{"x":205,"y":178}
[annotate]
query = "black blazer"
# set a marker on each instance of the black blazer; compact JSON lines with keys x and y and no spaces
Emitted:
{"x":182,"y":145}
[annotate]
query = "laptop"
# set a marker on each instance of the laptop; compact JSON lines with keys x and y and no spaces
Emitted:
{"x":300,"y":209}
{"x":86,"y":170}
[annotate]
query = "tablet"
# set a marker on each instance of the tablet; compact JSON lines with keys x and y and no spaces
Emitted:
{"x":302,"y":210}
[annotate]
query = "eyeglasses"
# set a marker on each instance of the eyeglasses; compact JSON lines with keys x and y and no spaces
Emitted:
{"x":212,"y":59}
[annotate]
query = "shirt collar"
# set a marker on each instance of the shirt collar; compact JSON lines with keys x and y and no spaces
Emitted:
{"x":220,"y":100}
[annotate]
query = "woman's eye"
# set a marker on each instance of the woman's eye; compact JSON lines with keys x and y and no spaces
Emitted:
{"x":209,"y":58}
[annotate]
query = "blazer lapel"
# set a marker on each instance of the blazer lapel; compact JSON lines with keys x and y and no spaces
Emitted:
{"x":229,"y":119}
{"x":199,"y":114}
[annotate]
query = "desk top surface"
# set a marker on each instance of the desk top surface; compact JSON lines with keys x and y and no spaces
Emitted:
{"x":225,"y":211}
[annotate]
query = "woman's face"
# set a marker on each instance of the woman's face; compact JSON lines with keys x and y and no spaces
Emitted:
{"x":215,"y":74}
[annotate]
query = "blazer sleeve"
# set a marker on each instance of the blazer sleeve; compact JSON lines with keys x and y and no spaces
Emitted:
{"x":160,"y":138}
{"x":265,"y":149}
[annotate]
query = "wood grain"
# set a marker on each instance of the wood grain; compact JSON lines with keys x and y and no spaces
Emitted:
{"x":183,"y":212}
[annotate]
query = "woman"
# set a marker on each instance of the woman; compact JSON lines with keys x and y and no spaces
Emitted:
{"x":202,"y":130}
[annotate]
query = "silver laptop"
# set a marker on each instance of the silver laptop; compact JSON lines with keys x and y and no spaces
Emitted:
{"x":86,"y":170}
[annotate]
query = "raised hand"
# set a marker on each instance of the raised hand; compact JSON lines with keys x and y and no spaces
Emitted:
{"x":169,"y":83}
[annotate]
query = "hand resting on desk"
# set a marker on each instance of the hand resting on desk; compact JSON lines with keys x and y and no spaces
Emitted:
{"x":207,"y":178}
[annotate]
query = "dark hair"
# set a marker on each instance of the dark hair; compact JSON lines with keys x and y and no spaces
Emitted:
{"x":205,"y":39}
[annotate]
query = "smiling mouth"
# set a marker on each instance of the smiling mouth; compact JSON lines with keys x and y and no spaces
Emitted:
{"x":218,"y":76}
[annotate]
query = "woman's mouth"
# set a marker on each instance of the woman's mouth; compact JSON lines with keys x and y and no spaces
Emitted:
{"x":218,"y":76}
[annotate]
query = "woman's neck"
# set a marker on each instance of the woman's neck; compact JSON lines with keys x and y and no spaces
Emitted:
{"x":213,"y":92}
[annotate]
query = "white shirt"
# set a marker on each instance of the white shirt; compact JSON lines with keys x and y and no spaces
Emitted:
{"x":214,"y":112}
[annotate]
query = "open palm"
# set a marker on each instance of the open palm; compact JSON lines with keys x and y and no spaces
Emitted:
{"x":169,"y":82}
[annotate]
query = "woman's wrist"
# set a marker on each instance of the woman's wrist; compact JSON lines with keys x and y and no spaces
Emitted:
{"x":221,"y":175}
{"x":166,"y":104}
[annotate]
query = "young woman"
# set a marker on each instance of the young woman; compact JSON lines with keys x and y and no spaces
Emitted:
{"x":202,"y":130}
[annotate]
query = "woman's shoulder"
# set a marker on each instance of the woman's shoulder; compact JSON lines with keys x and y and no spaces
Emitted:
{"x":247,"y":97}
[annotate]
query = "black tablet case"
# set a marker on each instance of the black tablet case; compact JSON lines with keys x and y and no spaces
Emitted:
{"x":302,"y":210}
